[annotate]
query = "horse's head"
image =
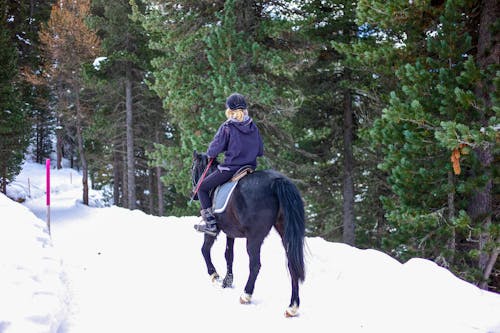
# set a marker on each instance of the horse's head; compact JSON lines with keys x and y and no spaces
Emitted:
{"x":200,"y":162}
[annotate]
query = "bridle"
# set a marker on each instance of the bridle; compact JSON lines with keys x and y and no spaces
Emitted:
{"x":210,"y":160}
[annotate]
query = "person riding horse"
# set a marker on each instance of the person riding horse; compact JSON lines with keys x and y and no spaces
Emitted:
{"x":239,"y":138}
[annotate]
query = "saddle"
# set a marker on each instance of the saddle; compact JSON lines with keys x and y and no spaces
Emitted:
{"x":223,"y":192}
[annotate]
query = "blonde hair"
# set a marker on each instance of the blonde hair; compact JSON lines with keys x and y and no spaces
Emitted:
{"x":238,"y":114}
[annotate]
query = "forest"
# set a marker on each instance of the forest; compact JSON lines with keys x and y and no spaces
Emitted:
{"x":383,"y":113}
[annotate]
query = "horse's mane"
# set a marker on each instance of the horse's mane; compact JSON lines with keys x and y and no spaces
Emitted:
{"x":200,"y":162}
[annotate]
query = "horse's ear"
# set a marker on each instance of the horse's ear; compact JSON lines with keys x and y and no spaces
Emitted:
{"x":195,"y":154}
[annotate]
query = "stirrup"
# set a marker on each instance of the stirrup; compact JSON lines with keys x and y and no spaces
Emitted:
{"x":204,"y":228}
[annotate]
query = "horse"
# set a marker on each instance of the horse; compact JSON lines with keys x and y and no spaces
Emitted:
{"x":259,"y":201}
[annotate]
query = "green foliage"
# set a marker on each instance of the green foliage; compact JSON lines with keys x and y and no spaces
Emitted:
{"x":424,"y":109}
{"x":205,"y":54}
{"x":14,"y":127}
{"x":127,"y":60}
{"x":433,"y":113}
{"x":332,"y":63}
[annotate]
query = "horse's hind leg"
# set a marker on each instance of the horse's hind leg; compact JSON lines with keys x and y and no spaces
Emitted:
{"x":229,"y":254}
{"x":253,"y":250}
{"x":293,"y":308}
{"x":205,"y":250}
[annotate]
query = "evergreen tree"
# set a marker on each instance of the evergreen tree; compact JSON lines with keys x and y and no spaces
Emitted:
{"x":68,"y":44}
{"x":178,"y":32}
{"x":122,"y":94}
{"x":25,"y":19}
{"x":389,"y":35}
{"x":209,"y":50}
{"x":330,"y":118}
{"x":432,"y":117}
{"x":13,"y":121}
{"x":482,"y":209}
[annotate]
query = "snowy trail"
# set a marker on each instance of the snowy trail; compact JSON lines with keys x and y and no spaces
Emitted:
{"x":125,"y":279}
{"x":130,"y":272}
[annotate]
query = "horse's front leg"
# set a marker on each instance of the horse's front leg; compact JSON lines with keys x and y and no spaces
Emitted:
{"x":229,"y":254}
{"x":205,"y":250}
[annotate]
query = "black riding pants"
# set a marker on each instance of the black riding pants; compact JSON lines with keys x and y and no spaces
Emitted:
{"x":213,"y":180}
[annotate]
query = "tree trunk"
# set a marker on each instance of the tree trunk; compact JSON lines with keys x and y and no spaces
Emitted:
{"x":124,"y":182}
{"x":489,"y":267}
{"x":59,"y":130}
{"x":116,"y":177}
{"x":130,"y":140}
{"x":159,"y":183}
{"x":348,"y":184}
{"x":480,"y":207}
{"x":151,"y":199}
{"x":161,"y":209}
{"x":39,"y":138}
{"x":81,"y":151}
{"x":59,"y":145}
{"x":451,"y":214}
{"x":4,"y":179}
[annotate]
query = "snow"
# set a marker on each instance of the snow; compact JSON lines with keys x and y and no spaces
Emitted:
{"x":24,"y":40}
{"x":109,"y":269}
{"x":97,"y":62}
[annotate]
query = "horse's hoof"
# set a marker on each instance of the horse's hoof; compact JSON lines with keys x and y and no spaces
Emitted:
{"x":215,"y":278}
{"x":228,"y":281}
{"x":245,"y":298}
{"x":292,"y":311}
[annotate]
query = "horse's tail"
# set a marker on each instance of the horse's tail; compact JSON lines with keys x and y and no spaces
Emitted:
{"x":292,"y":208}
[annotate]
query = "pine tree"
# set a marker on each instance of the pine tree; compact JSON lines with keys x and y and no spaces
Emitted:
{"x":68,"y":44}
{"x":25,"y":19}
{"x":130,"y":109}
{"x":178,"y":32}
{"x":13,"y":121}
{"x":209,"y":50}
{"x":427,"y":133}
{"x":482,"y":208}
{"x":329,"y":118}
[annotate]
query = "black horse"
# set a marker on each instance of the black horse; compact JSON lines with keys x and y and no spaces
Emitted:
{"x":260,"y":201}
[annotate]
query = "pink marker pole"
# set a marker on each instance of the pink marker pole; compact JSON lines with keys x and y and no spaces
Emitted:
{"x":47,"y":169}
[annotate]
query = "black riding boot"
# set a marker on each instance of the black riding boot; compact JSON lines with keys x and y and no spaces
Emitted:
{"x":210,"y":226}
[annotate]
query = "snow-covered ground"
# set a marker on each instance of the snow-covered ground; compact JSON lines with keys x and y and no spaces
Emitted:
{"x":108,"y":269}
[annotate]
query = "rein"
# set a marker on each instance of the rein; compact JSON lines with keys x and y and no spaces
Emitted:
{"x":201,"y":178}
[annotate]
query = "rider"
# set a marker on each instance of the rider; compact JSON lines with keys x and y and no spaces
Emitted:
{"x":238,"y":137}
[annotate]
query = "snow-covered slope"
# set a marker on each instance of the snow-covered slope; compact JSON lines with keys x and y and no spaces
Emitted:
{"x":33,"y":294}
{"x":125,"y":271}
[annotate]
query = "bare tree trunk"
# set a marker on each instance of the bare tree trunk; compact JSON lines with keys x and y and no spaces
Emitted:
{"x":4,"y":178}
{"x":59,"y":130}
{"x":116,"y":177}
{"x":488,"y":50}
{"x":159,"y":184}
{"x":32,"y":13}
{"x":59,"y":145}
{"x":124,"y":182}
{"x":489,"y":267}
{"x":151,"y":199}
{"x":81,"y":151}
{"x":451,"y":213}
{"x":39,"y":138}
{"x":480,"y":206}
{"x":348,"y":184}
{"x":130,"y":140}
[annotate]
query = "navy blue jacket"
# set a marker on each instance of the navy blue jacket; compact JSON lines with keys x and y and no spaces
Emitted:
{"x":240,"y":142}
